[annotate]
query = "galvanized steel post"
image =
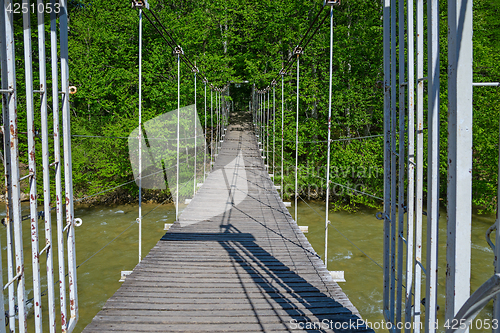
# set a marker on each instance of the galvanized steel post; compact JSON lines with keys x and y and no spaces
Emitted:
{"x":282,"y":72}
{"x":420,"y":165}
{"x":297,"y":51}
{"x":195,"y":70}
{"x":401,"y":162}
{"x":58,"y":167}
{"x":139,"y":219}
{"x":327,"y":219}
{"x":387,"y":158}
{"x":274,"y":128}
{"x":178,"y":52}
{"x":205,"y":133}
{"x":393,"y":162}
{"x":459,"y":206}
{"x":433,"y":164}
{"x":46,"y":169}
{"x":30,"y":118}
{"x":68,"y":173}
{"x":6,"y":158}
{"x":410,"y":262}
{"x":211,"y":128}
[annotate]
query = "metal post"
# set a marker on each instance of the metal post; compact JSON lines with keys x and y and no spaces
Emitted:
{"x":15,"y":183}
{"x":5,"y":115}
{"x":282,"y":128}
{"x":267,"y":130}
{"x":411,"y":165}
{"x":58,"y":167}
{"x":139,"y":219}
{"x":420,"y":164}
{"x":205,"y":137}
{"x":327,"y":219}
{"x":211,"y":129}
{"x":46,"y":168}
{"x":393,"y":162}
{"x":178,"y":133}
{"x":217,"y":111}
{"x":297,"y":142}
{"x":433,"y":164}
{"x":262,"y":105}
{"x":387,"y":157}
{"x":458,"y":249}
{"x":496,"y":300}
{"x":68,"y":173}
{"x":37,"y":299}
{"x":401,"y":162}
{"x":264,"y":136}
{"x":216,"y":122}
{"x":195,"y":117}
{"x":274,"y":127}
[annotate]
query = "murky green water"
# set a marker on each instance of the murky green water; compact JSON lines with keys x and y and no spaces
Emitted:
{"x":98,"y":277}
{"x":364,"y":278}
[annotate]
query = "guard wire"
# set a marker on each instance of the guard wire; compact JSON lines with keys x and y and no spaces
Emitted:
{"x":102,"y":248}
{"x":314,"y":210}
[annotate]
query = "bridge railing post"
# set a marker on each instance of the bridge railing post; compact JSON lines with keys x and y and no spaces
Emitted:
{"x":15,"y":175}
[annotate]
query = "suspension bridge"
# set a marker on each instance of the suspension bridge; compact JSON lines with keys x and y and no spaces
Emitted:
{"x":245,"y":267}
{"x":235,"y":259}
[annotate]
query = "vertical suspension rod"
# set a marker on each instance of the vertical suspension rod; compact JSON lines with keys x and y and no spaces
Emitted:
{"x":5,"y":107}
{"x":401,"y":162}
{"x":195,"y":134}
{"x":433,"y":165}
{"x":274,"y":128}
{"x":419,"y":166}
{"x":393,"y":162}
{"x":211,"y":128}
{"x":46,"y":171}
{"x":411,"y":165}
{"x":327,"y":220}
{"x":37,"y":298}
{"x":58,"y":167}
{"x":178,"y":133}
{"x":205,"y":132}
{"x":139,"y":219}
{"x":282,"y":128}
{"x":297,"y":52}
{"x":387,"y":157}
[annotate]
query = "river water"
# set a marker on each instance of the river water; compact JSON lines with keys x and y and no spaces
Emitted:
{"x":355,"y":246}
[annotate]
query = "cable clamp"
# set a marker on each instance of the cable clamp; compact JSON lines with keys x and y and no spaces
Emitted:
{"x":178,"y":50}
{"x":140,"y":4}
{"x":331,"y":3}
{"x":273,"y":82}
{"x":195,"y":70}
{"x":298,"y":51}
{"x":282,"y":71}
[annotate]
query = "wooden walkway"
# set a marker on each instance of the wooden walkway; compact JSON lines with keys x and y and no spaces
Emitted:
{"x":235,"y":261}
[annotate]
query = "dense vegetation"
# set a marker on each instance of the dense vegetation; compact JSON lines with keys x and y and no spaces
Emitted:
{"x":235,"y":41}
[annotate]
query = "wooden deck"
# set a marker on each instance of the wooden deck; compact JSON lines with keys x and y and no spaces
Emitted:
{"x":235,"y":261}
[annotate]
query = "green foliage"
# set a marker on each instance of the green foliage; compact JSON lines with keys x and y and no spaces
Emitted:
{"x":235,"y":41}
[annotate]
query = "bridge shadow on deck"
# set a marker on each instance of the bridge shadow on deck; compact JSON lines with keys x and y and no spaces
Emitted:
{"x":301,"y":305}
